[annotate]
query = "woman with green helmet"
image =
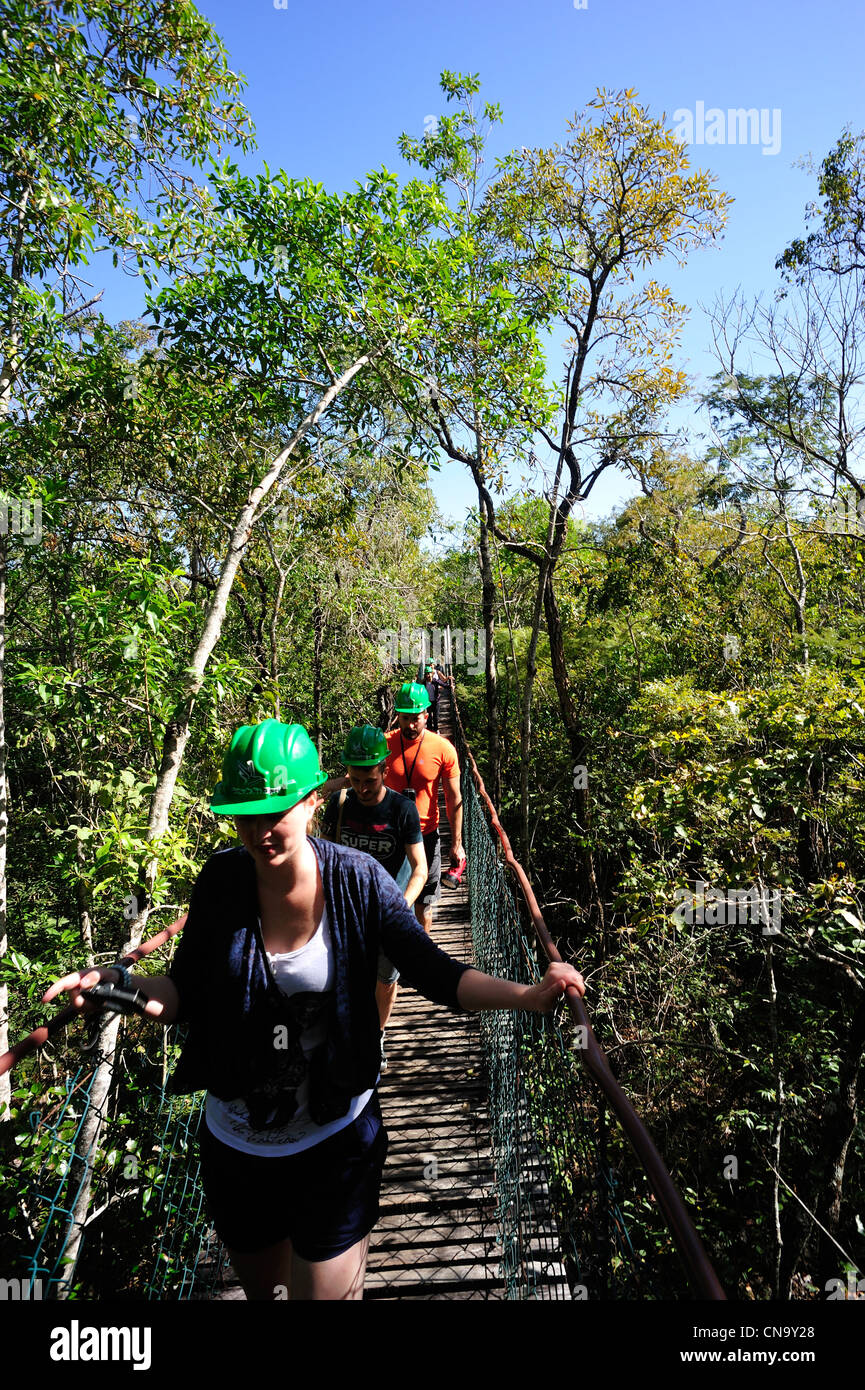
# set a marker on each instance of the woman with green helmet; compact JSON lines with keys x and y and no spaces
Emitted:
{"x":275,"y":975}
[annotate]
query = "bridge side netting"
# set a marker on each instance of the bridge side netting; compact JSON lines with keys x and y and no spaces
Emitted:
{"x":143,"y":1232}
{"x":563,"y":1231}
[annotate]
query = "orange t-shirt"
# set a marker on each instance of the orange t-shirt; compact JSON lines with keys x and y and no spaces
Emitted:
{"x":436,"y":759}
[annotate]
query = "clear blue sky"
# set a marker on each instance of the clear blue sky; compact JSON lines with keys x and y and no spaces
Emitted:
{"x":331,"y":86}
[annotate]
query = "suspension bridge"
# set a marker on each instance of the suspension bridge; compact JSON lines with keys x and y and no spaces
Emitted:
{"x":517,"y":1168}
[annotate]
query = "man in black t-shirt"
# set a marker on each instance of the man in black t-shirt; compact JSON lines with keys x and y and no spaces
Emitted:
{"x":372,"y":818}
{"x":383,"y":828}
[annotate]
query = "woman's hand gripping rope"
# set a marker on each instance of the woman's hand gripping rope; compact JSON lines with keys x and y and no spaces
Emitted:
{"x":97,"y":989}
{"x":478,"y":991}
{"x":548,"y":992}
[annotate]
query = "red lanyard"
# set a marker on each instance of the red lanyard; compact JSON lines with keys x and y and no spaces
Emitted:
{"x":409,"y":775}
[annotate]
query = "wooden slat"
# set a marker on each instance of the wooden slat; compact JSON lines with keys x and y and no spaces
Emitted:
{"x":437,"y":1236}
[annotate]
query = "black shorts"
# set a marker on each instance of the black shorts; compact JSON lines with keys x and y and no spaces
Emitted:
{"x":324,"y":1199}
{"x":432,"y":889}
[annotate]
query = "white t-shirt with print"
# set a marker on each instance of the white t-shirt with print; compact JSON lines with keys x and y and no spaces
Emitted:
{"x":309,"y":970}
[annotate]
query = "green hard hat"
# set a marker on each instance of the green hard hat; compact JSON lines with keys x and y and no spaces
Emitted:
{"x":268,"y":767}
{"x":412,"y":698}
{"x":366,"y":746}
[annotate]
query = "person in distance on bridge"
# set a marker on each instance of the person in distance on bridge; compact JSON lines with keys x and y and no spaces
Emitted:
{"x":372,"y":818}
{"x":275,"y":976}
{"x":433,"y":681}
{"x":419,"y":762}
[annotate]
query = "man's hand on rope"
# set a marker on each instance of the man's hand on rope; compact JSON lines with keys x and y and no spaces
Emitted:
{"x":78,"y":985}
{"x":543,"y":997}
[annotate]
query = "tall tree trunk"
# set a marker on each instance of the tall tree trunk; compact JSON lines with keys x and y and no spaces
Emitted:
{"x":578,"y":742}
{"x":545,"y":566}
{"x":178,"y":729}
{"x":526,"y":713}
{"x":79,"y":1177}
{"x":488,"y":600}
{"x":173,"y":747}
{"x":317,"y":650}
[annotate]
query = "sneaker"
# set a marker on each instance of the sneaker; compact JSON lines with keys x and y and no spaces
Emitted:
{"x":383,"y":1055}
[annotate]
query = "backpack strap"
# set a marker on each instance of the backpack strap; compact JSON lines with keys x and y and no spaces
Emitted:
{"x":338,"y":836}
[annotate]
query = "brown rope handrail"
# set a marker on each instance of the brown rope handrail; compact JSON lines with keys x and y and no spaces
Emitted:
{"x":688,"y":1243}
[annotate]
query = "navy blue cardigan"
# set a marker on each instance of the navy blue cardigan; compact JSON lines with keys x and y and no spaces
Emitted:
{"x":233,"y":1005}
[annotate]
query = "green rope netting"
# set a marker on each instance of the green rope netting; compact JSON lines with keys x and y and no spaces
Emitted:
{"x":561,"y":1225}
{"x":104,"y":1198}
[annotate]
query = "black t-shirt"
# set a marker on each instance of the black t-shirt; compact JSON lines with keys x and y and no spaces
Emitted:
{"x":383,"y":830}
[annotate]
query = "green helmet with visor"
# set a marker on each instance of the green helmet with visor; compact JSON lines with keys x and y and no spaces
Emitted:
{"x":269,"y":768}
{"x":365,"y":746}
{"x":412,"y":698}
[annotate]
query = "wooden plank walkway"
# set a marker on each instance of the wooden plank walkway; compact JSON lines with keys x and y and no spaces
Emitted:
{"x":437,"y":1236}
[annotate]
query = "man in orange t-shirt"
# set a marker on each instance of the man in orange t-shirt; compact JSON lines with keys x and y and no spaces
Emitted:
{"x":418,"y":761}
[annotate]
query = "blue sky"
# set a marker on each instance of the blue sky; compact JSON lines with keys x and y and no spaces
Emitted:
{"x":330,"y":87}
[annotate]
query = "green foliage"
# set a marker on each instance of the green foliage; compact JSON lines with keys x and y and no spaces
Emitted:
{"x":98,"y":101}
{"x":838,"y":243}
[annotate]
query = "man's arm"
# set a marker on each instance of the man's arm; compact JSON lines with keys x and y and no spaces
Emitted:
{"x":454,"y":803}
{"x":416,"y":856}
{"x":445,"y":980}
